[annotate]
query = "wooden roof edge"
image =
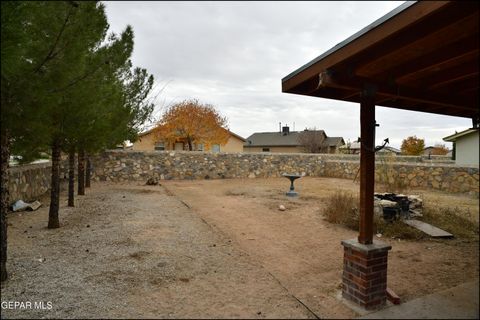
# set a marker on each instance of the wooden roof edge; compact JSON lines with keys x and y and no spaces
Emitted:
{"x":365,"y":37}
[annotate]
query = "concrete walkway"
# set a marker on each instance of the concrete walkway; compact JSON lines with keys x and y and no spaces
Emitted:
{"x":460,"y":302}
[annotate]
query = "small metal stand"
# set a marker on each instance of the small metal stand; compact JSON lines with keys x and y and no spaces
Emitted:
{"x":292,"y":177}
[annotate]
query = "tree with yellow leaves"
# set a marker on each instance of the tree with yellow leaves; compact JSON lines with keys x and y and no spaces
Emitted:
{"x":412,"y":146}
{"x":194,"y":123}
{"x":439,"y":149}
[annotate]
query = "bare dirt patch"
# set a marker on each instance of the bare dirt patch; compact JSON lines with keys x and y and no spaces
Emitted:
{"x":131,"y":251}
{"x":300,"y":249}
{"x":210,"y":249}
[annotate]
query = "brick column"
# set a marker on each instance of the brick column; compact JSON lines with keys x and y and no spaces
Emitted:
{"x":365,"y":273}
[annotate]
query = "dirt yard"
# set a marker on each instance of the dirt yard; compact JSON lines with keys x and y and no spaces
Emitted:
{"x":210,"y":249}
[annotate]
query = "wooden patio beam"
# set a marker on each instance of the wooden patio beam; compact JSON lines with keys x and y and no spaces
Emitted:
{"x":432,"y":42}
{"x":453,"y":79}
{"x":463,"y":50}
{"x":374,"y":36}
{"x":466,"y":58}
{"x":367,"y":164}
{"x":355,"y":84}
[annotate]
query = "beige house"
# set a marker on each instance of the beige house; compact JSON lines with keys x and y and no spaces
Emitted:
{"x":355,"y":148}
{"x":148,"y":142}
{"x":465,"y":146}
{"x":289,"y":142}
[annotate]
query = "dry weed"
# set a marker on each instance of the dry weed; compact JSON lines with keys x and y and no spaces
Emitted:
{"x":460,"y":224}
{"x":342,"y":208}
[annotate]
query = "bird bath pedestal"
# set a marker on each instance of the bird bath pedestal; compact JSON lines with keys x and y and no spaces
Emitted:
{"x":292,"y":177}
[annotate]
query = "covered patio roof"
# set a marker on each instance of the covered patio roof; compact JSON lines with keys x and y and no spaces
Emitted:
{"x":422,"y":56}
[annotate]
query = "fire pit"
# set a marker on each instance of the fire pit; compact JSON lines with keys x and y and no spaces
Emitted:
{"x":292,"y":177}
{"x":397,"y":206}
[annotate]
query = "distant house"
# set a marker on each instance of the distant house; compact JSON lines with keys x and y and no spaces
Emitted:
{"x":428,"y":151}
{"x":465,"y":146}
{"x":354,"y":148}
{"x":147,"y":141}
{"x":389,"y":150}
{"x":350,"y":148}
{"x":289,"y":142}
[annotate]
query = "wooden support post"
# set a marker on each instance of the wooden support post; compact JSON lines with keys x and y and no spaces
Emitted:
{"x":367,"y":164}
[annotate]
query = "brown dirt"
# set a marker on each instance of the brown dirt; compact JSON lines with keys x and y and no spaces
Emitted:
{"x":210,"y":249}
{"x":303,"y":251}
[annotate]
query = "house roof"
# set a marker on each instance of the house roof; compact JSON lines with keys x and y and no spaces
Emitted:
{"x":141,"y":134}
{"x":273,"y":139}
{"x":357,"y":145}
{"x":236,"y":136}
{"x":392,"y":149}
{"x":422,"y":56}
{"x":333,"y":141}
{"x":278,"y":139}
{"x":455,"y":136}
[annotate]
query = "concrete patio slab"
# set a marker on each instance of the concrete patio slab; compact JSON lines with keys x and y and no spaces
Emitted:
{"x":460,"y":302}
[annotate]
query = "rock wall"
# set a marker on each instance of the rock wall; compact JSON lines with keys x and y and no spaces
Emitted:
{"x":401,"y":171}
{"x":28,"y":182}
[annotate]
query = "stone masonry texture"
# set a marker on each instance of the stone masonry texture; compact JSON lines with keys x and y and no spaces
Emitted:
{"x":139,"y":166}
{"x":30,"y":181}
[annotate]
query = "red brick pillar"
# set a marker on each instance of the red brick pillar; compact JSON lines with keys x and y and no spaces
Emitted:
{"x":365,"y":273}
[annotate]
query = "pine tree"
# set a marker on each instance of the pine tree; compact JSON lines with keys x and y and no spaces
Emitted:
{"x":49,"y":52}
{"x":19,"y":51}
{"x":60,"y":37}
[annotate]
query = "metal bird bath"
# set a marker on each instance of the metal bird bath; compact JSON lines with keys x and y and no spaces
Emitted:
{"x":292,"y":177}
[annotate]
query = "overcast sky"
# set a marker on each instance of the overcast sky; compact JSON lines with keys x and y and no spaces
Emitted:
{"x":234,"y":54}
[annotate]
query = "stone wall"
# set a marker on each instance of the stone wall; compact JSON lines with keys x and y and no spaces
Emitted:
{"x":28,"y":182}
{"x":139,"y":166}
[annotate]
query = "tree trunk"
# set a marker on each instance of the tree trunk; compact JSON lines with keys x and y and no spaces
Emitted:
{"x":53,"y":221}
{"x":190,"y":147}
{"x":88,"y":172}
{"x":81,"y":172}
{"x":5,"y":157}
{"x":71,"y":177}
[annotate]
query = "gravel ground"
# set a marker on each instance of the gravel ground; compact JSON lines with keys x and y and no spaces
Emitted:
{"x":131,"y":251}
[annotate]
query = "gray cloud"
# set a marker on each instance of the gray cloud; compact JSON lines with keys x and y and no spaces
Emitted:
{"x":234,"y":55}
